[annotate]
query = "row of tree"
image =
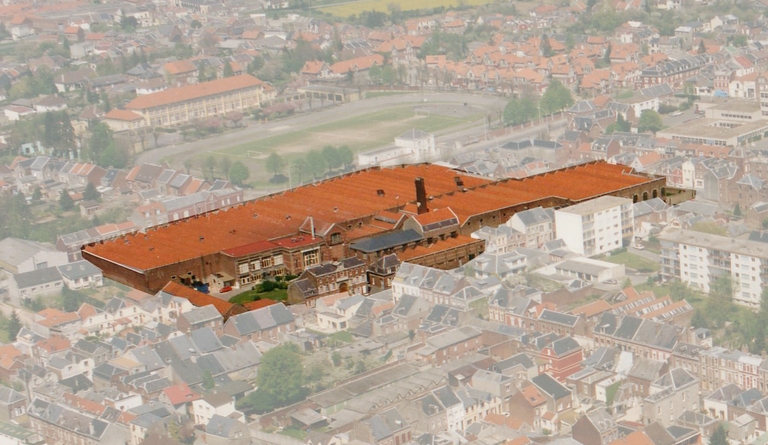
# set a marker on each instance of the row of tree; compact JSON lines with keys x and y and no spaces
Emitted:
{"x":213,"y":168}
{"x":314,"y":165}
{"x":528,"y":106}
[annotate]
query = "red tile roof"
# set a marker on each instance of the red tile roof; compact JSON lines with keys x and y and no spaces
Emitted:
{"x":122,"y":115}
{"x":192,"y":92}
{"x":277,"y":218}
{"x":181,"y":393}
{"x":198,"y":299}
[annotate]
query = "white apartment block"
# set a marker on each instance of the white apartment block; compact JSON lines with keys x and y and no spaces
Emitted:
{"x":597,"y":226}
{"x":698,"y":259}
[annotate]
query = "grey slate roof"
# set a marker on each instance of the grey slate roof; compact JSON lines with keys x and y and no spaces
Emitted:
{"x":386,"y":241}
{"x":79,"y":269}
{"x":37,"y":277}
{"x":551,"y":386}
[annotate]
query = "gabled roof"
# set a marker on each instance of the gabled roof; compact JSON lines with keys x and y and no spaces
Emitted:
{"x":193,"y":92}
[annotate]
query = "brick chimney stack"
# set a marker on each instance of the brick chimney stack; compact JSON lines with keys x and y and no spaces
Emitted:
{"x":421,"y":196}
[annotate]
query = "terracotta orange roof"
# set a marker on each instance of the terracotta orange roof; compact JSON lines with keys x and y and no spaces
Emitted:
{"x":313,"y":67}
{"x":54,"y":344}
{"x":122,"y":115}
{"x":593,"y":308}
{"x":53,"y":317}
{"x":8,"y":355}
{"x":359,"y":63}
{"x":413,"y":253}
{"x":435,"y":216}
{"x":82,"y":404}
{"x":86,"y":310}
{"x":533,"y":396}
{"x":179,"y":67}
{"x":198,"y":299}
{"x":649,"y":158}
{"x":192,"y":92}
{"x":277,"y":218}
{"x":258,"y":304}
{"x":181,"y":393}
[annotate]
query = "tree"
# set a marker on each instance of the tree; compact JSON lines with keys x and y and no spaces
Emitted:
{"x":281,"y":375}
{"x":650,"y":120}
{"x":520,"y":111}
{"x":188,"y":164}
{"x":336,"y":358}
{"x":14,"y":325}
{"x":702,"y":47}
{"x":228,"y":71}
{"x":316,"y":164}
{"x":300,"y":168}
{"x":208,"y":382}
{"x":210,"y":165}
{"x":545,"y":48}
{"x":388,"y":75}
{"x":37,"y":194}
{"x":70,"y":299}
{"x":737,"y":211}
{"x":331,"y":156}
{"x":719,"y":437}
{"x":607,"y":55}
{"x":65,"y":201}
{"x":225,"y":164}
{"x":195,"y":24}
{"x":102,"y":148}
{"x":374,"y":73}
{"x":16,"y":216}
{"x":275,"y":163}
{"x":238,"y":173}
{"x":556,"y":98}
{"x":345,"y":155}
{"x":256,"y":402}
{"x":620,"y":125}
{"x":90,"y":193}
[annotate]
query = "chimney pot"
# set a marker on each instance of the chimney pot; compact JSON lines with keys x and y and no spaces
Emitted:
{"x":421,"y":196}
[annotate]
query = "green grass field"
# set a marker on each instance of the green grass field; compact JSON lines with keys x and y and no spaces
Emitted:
{"x":357,"y":7}
{"x":361,"y":133}
{"x":633,"y":262}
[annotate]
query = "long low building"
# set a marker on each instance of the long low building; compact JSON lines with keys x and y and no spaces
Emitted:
{"x":182,"y":105}
{"x":292,"y":230}
{"x":725,"y":133}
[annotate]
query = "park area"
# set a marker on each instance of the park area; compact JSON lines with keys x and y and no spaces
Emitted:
{"x":361,"y":133}
{"x":356,"y":7}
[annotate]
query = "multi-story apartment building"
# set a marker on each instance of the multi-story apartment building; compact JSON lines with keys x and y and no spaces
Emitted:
{"x":597,"y":226}
{"x":698,"y":259}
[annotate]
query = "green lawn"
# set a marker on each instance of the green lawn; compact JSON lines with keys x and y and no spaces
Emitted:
{"x":251,"y":295}
{"x":361,"y":133}
{"x":343,"y":336}
{"x":633,"y":261}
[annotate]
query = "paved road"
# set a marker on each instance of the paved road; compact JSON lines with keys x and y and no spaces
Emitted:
{"x":256,"y":131}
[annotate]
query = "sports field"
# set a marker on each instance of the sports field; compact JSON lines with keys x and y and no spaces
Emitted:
{"x":360,"y":133}
{"x":356,"y":7}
